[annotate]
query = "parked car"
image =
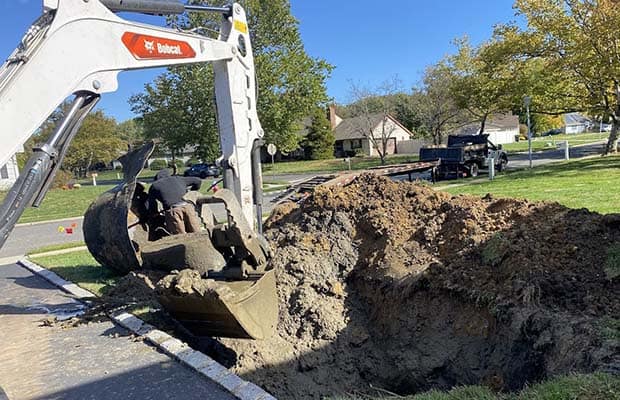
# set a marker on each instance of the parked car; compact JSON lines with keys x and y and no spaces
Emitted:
{"x":203,"y":171}
{"x":551,"y":132}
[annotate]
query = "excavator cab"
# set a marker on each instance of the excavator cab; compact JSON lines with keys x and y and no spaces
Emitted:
{"x":219,"y":282}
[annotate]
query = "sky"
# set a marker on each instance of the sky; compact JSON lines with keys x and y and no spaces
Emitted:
{"x":368,"y":42}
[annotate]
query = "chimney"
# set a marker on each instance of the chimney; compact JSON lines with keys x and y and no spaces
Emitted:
{"x":334,"y":120}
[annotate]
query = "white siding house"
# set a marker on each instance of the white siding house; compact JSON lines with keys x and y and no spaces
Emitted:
{"x":351,"y":138}
{"x":8,"y":174}
{"x":576,"y":123}
{"x":501,"y":128}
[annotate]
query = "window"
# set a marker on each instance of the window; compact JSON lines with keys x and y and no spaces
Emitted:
{"x":4,"y":172}
{"x":356,"y":144}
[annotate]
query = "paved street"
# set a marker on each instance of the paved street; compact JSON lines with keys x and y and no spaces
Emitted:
{"x":31,"y":236}
{"x":521,"y":160}
{"x":94,"y":361}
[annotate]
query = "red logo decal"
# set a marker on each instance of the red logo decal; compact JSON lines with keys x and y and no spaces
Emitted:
{"x":145,"y":47}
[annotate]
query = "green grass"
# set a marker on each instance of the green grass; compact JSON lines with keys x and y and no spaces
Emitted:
{"x":332,"y":165}
{"x":549,"y":142}
{"x":80,"y":268}
{"x":55,"y":247}
{"x":597,"y":386}
{"x":590,"y":183}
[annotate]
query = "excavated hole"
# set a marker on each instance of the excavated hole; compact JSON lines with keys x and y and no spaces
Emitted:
{"x":398,"y":287}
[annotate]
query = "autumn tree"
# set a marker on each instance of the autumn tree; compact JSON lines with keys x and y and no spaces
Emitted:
{"x":318,"y":143}
{"x":576,"y":42}
{"x":482,"y":83}
{"x":372,"y":107}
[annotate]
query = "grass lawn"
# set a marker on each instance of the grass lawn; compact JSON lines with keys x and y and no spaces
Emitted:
{"x":591,"y":183}
{"x":60,"y":203}
{"x":549,"y":142}
{"x":332,"y":165}
{"x":56,"y":247}
{"x":597,"y":386}
{"x":80,"y":268}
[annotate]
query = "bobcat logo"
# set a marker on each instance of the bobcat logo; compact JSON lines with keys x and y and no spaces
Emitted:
{"x":149,"y":46}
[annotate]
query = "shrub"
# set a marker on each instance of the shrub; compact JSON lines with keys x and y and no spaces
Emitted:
{"x":62,"y":179}
{"x":157,"y":165}
{"x":192,"y":161}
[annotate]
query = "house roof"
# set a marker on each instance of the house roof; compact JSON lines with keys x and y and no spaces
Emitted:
{"x":496,"y":122}
{"x":576,"y":119}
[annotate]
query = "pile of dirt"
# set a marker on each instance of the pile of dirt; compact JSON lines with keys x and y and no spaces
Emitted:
{"x":396,"y":286}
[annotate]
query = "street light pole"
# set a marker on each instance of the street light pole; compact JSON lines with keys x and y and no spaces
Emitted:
{"x":527,"y":102}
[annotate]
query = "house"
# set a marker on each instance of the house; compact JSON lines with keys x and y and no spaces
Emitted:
{"x":9,"y":173}
{"x":351,"y":138}
{"x":501,"y":128}
{"x":576,"y":123}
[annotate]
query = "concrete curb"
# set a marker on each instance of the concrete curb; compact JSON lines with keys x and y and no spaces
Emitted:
{"x":195,"y":360}
{"x":79,"y":218}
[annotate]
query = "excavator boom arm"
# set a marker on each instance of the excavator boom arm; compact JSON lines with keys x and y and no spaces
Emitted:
{"x":79,"y":47}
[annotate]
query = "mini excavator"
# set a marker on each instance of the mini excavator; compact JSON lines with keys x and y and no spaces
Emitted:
{"x":76,"y":49}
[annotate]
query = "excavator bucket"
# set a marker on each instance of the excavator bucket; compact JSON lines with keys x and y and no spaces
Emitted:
{"x":239,"y":309}
{"x":224,"y":287}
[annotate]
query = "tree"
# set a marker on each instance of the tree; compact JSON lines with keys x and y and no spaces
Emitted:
{"x":373,"y":107}
{"x":95,"y":142}
{"x":291,"y":83}
{"x":319,"y":141}
{"x":177,"y":111}
{"x":434,"y":104}
{"x":577,"y":42}
{"x":131,"y":132}
{"x":482,"y":82}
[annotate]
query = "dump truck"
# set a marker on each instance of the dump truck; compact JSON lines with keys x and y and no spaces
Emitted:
{"x":464,"y":155}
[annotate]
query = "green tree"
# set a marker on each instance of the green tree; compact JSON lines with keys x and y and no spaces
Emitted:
{"x":319,"y":141}
{"x":131,"y":132}
{"x":177,"y":111}
{"x":434,"y":105}
{"x":291,"y":84}
{"x":95,"y":142}
{"x":483,"y":83}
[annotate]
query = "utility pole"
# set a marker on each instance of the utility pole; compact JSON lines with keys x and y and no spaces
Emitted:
{"x":527,"y":100}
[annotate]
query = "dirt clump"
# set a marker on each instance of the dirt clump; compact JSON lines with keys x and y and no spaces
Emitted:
{"x":400,"y":287}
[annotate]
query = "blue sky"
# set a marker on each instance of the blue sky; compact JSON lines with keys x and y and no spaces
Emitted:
{"x":367,"y":41}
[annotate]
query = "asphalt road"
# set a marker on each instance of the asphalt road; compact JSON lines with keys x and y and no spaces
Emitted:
{"x":521,"y":160}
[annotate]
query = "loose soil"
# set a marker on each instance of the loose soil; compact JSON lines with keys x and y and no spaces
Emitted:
{"x":398,"y":287}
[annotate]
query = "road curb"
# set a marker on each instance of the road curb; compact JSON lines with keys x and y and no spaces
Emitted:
{"x":51,"y":221}
{"x":173,"y":347}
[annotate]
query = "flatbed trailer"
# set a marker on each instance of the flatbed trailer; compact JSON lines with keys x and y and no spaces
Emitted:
{"x":301,"y":190}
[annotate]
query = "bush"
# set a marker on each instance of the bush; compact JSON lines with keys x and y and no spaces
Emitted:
{"x":179,"y":163}
{"x":157,"y":165}
{"x":62,"y":179}
{"x":192,"y":161}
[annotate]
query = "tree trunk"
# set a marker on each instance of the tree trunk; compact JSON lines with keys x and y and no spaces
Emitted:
{"x":483,"y":123}
{"x":612,"y":140}
{"x":174,"y":163}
